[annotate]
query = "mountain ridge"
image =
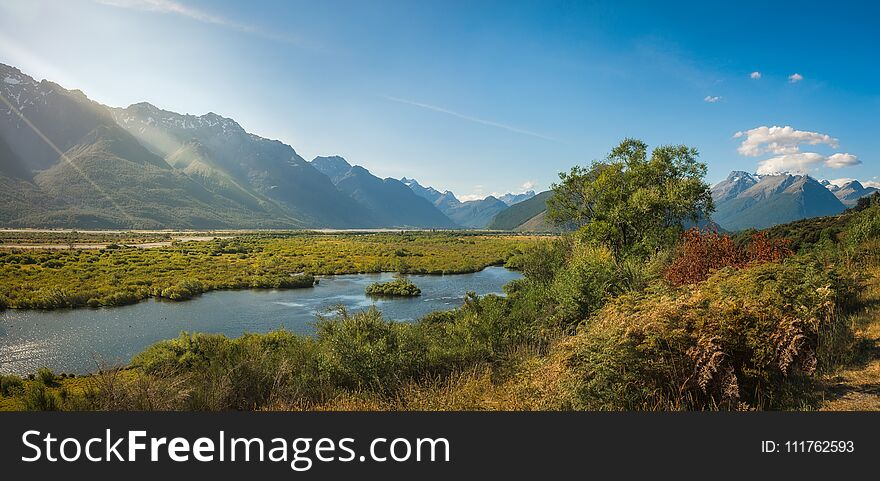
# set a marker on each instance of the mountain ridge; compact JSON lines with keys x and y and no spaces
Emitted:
{"x":744,"y":200}
{"x":388,"y":200}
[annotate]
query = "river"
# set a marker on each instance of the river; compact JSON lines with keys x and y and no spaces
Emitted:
{"x":79,"y":340}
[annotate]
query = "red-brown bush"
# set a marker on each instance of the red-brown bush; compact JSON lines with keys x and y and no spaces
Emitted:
{"x":702,"y":251}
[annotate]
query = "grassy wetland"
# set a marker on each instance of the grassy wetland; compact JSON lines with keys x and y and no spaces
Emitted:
{"x":119,"y":274}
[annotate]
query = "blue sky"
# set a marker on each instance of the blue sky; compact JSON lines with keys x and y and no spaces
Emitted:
{"x":482,"y":97}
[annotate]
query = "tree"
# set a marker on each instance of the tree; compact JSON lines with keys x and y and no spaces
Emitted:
{"x":631,"y":203}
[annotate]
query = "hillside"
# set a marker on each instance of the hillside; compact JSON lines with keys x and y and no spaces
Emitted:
{"x":744,"y":201}
{"x":519,"y":214}
{"x":474,"y":214}
{"x":83,"y":170}
{"x":266,"y":175}
{"x":66,"y":161}
{"x":850,"y":192}
{"x":389,"y":201}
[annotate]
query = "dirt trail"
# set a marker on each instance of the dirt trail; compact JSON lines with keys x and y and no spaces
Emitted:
{"x":858,"y":388}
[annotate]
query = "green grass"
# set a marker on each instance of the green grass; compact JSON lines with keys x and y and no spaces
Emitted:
{"x":45,"y":279}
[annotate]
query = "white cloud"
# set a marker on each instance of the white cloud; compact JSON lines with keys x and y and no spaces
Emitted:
{"x":171,"y":7}
{"x":871,"y":183}
{"x":755,"y":75}
{"x":800,"y":163}
{"x":803,"y":162}
{"x":779,"y":140}
{"x":795,"y":77}
{"x":470,"y":197}
{"x":528,"y":185}
{"x":836,"y":161}
{"x":711,"y":99}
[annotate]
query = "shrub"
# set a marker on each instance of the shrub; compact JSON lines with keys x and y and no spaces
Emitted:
{"x":743,"y":339}
{"x":865,"y":225}
{"x":46,"y":376}
{"x":362,"y":350}
{"x":187,"y":289}
{"x":283,"y":281}
{"x":541,"y":261}
{"x":701,"y":252}
{"x":583,"y":284}
{"x":10,"y":385}
{"x":400,"y":287}
{"x":37,"y":397}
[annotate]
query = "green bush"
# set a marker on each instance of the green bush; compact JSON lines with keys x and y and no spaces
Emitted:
{"x":37,"y":397}
{"x":46,"y":376}
{"x":10,"y":385}
{"x":864,"y":226}
{"x":187,"y":289}
{"x":583,"y":284}
{"x":362,"y":350}
{"x":400,"y":287}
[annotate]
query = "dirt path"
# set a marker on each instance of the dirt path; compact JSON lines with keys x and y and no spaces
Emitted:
{"x":858,"y":388}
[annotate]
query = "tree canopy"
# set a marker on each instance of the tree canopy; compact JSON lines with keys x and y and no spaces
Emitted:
{"x":632,"y":203}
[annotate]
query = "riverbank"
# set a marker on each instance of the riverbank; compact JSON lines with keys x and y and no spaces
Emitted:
{"x":82,"y":340}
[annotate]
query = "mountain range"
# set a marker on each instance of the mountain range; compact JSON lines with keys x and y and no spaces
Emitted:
{"x":742,"y":201}
{"x":528,"y":215}
{"x":849,"y":192}
{"x":745,"y":200}
{"x":67,"y":161}
{"x":474,"y":214}
{"x":389,"y":201}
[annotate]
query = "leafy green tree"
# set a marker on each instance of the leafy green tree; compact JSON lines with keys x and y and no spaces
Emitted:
{"x":631,"y":203}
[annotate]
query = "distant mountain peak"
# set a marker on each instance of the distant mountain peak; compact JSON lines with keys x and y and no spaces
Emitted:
{"x":332,"y":159}
{"x":744,"y":200}
{"x":850,"y":191}
{"x":511,"y":199}
{"x":149,"y":114}
{"x":332,"y":166}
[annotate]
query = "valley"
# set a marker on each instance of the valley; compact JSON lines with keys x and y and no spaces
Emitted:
{"x":41,"y":278}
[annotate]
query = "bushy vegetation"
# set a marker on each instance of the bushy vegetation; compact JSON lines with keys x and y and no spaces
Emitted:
{"x":701,"y":252}
{"x":400,"y":287}
{"x":700,"y":321}
{"x":47,"y":279}
{"x":630,"y":202}
{"x":743,"y":339}
{"x":351,"y":353}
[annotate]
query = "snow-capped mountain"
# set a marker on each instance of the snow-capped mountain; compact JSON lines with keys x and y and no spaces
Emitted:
{"x":511,"y":198}
{"x":744,"y":200}
{"x":849,"y":192}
